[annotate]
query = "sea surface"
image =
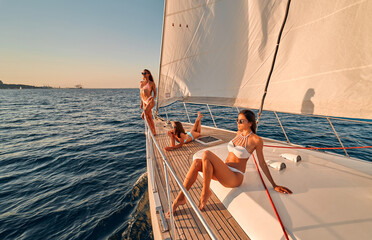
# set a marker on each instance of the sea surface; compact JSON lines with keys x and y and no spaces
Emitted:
{"x":72,"y":161}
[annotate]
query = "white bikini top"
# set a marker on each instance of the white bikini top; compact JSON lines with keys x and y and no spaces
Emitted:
{"x":239,"y":151}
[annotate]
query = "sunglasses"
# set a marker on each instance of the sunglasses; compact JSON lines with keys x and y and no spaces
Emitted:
{"x":241,"y":121}
{"x":144,"y":73}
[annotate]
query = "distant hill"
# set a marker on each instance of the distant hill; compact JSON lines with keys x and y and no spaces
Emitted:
{"x":18,"y":86}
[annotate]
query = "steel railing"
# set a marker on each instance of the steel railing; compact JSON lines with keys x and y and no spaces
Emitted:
{"x":281,"y":125}
{"x":151,"y":140}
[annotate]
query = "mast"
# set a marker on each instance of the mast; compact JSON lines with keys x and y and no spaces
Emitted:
{"x":161,"y":56}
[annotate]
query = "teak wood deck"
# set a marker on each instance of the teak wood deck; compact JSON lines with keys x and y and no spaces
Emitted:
{"x":187,"y":223}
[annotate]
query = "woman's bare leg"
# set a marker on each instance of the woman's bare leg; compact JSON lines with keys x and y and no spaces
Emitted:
{"x":207,"y":177}
{"x":219,"y":171}
{"x":214,"y":167}
{"x":148,"y":109}
{"x":197,"y":124}
{"x":191,"y":177}
{"x":151,"y":123}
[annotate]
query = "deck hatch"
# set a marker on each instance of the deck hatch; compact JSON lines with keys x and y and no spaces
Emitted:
{"x":207,"y":140}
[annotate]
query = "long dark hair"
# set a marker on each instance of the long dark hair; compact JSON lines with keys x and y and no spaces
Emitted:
{"x":251,"y":117}
{"x":179,"y":129}
{"x":150,"y":77}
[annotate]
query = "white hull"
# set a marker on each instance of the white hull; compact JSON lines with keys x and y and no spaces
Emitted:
{"x":157,"y":234}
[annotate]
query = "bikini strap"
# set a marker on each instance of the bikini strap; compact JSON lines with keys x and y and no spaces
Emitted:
{"x":246,"y":139}
{"x":241,"y":139}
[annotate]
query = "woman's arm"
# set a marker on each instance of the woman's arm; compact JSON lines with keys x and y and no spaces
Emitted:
{"x":180,"y":140}
{"x":140,"y":86}
{"x":154,"y":89}
{"x":265,"y":169}
{"x":172,"y":137}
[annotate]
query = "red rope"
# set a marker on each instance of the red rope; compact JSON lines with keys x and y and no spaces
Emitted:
{"x":272,"y":203}
{"x":317,"y":147}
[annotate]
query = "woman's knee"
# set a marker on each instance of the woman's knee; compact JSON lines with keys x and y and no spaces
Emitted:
{"x":195,"y":134}
{"x":148,"y":111}
{"x":148,"y":115}
{"x":206,"y":154}
{"x":197,"y":163}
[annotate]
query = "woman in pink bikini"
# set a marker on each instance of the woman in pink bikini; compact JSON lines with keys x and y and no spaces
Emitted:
{"x":147,"y":87}
{"x":229,"y":173}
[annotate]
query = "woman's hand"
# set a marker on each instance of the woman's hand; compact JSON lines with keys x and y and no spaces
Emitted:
{"x":282,"y":189}
{"x":170,"y":133}
{"x":168,"y":148}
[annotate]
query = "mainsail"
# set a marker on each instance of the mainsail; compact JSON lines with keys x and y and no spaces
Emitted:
{"x":221,"y":52}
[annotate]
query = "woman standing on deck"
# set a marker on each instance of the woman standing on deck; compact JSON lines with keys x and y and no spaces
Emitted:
{"x":229,"y":173}
{"x":147,"y":87}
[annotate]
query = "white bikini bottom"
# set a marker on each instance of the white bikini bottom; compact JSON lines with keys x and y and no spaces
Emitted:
{"x":235,"y":170}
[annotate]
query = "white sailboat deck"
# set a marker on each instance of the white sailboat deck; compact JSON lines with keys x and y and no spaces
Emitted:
{"x":331,"y":200}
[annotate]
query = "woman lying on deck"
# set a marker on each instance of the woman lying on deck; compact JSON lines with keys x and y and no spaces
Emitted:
{"x":178,"y":133}
{"x":229,"y":173}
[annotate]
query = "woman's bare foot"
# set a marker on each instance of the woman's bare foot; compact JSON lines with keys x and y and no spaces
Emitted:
{"x":200,"y":116}
{"x":204,"y":199}
{"x":180,"y":200}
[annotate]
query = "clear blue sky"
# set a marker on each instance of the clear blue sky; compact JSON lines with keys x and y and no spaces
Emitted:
{"x":96,"y":43}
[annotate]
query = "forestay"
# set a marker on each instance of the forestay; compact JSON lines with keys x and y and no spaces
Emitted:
{"x":221,"y":52}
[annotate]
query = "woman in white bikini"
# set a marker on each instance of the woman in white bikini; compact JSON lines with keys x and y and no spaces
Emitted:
{"x":147,"y":87}
{"x":229,"y":173}
{"x":178,"y":133}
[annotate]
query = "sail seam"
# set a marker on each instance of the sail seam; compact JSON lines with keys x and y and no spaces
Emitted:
{"x":193,"y":8}
{"x":329,"y":15}
{"x":324,"y":73}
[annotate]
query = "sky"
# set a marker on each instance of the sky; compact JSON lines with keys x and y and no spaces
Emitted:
{"x":95,"y":43}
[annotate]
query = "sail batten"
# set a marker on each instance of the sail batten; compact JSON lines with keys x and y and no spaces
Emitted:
{"x":221,"y":52}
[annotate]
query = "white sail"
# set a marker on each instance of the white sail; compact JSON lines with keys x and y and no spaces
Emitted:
{"x":324,"y":63}
{"x":221,"y":52}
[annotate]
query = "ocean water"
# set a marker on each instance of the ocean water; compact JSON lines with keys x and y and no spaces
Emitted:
{"x":72,"y":161}
{"x":69,"y":164}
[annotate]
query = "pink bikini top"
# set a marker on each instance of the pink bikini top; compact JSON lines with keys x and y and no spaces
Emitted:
{"x":239,"y":151}
{"x":147,"y":86}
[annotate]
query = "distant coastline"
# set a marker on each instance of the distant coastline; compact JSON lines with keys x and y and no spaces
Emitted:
{"x":20,"y":86}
